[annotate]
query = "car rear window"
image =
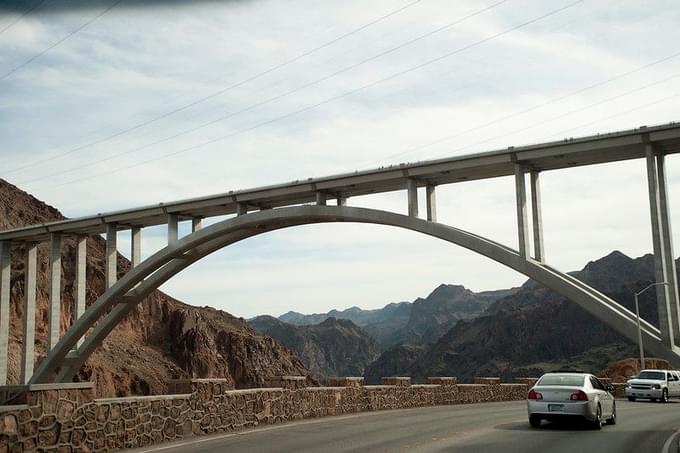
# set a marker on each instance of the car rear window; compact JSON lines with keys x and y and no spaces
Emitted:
{"x":562,"y":379}
{"x":653,"y":375}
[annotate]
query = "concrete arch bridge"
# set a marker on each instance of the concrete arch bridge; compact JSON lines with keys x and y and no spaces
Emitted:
{"x":324,"y":200}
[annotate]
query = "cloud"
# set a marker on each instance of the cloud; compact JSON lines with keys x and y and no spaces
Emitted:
{"x":47,"y":7}
{"x":133,"y":65}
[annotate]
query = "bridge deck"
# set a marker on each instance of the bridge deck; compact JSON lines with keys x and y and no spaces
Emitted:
{"x":556,"y":155}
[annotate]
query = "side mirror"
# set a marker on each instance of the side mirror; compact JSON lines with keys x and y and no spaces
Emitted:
{"x":609,"y":388}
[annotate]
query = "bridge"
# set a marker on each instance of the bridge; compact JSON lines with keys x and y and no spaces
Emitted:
{"x":323,"y":200}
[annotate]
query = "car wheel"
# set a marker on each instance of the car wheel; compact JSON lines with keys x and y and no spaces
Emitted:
{"x":597,"y":423}
{"x":535,"y":421}
{"x":631,"y":398}
{"x":664,"y":396}
{"x":612,"y":420}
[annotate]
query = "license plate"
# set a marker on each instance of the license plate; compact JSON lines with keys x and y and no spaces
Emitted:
{"x":556,"y":407}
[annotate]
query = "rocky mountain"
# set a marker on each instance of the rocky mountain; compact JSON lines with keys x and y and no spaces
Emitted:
{"x":534,"y":329}
{"x":161,"y":339}
{"x":421,"y":322}
{"x":432,"y":317}
{"x":622,"y":370}
{"x":334,"y":347}
{"x":358,"y":316}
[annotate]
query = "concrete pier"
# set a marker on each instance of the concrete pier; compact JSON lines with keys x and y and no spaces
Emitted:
{"x":136,"y":246}
{"x":5,"y":282}
{"x":666,"y":324}
{"x":431,"y":198}
{"x":537,"y":216}
{"x":30,"y":284}
{"x":111,"y":254}
{"x":412,"y":190}
{"x":196,"y":224}
{"x":173,"y":229}
{"x":81,"y":280}
{"x":522,"y":220}
{"x":54,"y":311}
{"x":671,"y":272}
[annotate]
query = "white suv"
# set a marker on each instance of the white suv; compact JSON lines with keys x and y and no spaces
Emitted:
{"x":654,"y":384}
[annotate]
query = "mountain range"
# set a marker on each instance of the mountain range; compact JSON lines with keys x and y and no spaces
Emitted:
{"x":519,"y":331}
{"x":422,"y":321}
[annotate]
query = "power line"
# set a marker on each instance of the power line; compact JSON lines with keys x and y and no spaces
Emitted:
{"x":21,"y":16}
{"x":282,"y":95}
{"x":624,"y":112}
{"x":334,"y":98}
{"x":43,"y":52}
{"x":529,"y":109}
{"x":571,"y":112}
{"x":216,"y":93}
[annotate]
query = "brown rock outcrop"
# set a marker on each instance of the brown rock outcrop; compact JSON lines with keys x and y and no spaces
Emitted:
{"x":161,"y":339}
{"x":622,"y":370}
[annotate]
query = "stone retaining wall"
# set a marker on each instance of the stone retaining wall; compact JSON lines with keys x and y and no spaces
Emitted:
{"x":66,"y":418}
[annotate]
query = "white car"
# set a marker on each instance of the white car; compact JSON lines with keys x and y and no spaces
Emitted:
{"x":654,"y":385}
{"x":560,"y":396}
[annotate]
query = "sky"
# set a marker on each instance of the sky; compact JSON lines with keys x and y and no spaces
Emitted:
{"x":114,"y":106}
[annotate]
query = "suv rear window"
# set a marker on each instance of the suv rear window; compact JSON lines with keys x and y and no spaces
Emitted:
{"x":653,"y":375}
{"x":562,"y":379}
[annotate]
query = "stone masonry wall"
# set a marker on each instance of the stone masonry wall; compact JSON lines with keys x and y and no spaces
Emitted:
{"x":65,"y":417}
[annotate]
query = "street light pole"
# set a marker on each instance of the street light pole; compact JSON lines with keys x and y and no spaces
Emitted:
{"x":637,"y":314}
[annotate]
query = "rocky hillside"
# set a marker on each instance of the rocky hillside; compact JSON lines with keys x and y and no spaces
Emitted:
{"x":334,"y":347}
{"x":421,"y":322}
{"x":161,"y":339}
{"x":533,"y":330}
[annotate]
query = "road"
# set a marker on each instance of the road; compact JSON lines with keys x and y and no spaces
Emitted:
{"x":490,"y":427}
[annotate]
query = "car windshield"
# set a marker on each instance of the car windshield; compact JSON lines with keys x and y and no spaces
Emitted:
{"x":653,"y":375}
{"x":562,"y":379}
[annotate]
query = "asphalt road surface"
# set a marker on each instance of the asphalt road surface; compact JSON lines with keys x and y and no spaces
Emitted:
{"x":490,"y":427}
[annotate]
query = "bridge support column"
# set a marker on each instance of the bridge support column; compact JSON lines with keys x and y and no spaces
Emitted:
{"x":321,"y":199}
{"x":522,"y":220}
{"x":536,"y":216}
{"x":53,"y":327}
{"x":666,"y":303}
{"x":672,"y":277}
{"x":412,"y":189}
{"x":5,"y":282}
{"x":30,"y":284}
{"x":136,"y":246}
{"x":173,"y":229}
{"x":241,"y":209}
{"x":431,"y":198}
{"x":342,"y":201}
{"x":196,"y":224}
{"x":81,"y":280}
{"x":111,"y":254}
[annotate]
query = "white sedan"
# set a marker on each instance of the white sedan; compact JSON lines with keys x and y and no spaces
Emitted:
{"x":561,"y":396}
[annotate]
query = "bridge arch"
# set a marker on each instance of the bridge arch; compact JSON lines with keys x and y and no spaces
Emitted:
{"x":65,"y":359}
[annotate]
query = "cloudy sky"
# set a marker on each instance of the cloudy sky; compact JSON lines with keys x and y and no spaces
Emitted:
{"x":114,"y":106}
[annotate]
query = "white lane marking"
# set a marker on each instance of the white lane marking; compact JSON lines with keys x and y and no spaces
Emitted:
{"x":669,"y":442}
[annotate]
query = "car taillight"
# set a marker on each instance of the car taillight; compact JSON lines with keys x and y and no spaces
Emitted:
{"x":579,"y":396}
{"x":534,"y":395}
